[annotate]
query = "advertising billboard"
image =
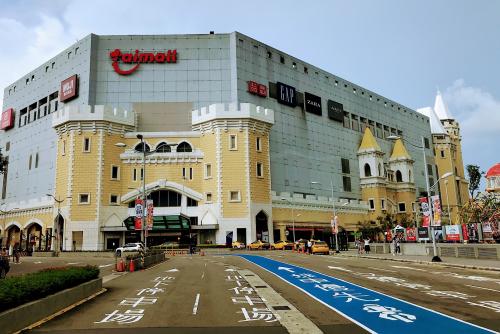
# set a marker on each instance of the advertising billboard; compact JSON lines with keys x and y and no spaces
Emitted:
{"x":411,"y":234}
{"x":149,"y":212}
{"x":426,"y":211}
{"x":139,"y":213}
{"x":7,"y":119}
{"x":436,"y":208}
{"x":452,"y":232}
{"x":423,"y":233}
{"x":312,"y":103}
{"x":69,"y":89}
{"x":335,"y":111}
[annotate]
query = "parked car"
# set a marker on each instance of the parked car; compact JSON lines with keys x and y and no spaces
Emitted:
{"x":238,"y":245}
{"x":282,"y":244}
{"x":320,"y":247}
{"x":130,"y":247}
{"x":259,"y":245}
{"x":4,"y":266}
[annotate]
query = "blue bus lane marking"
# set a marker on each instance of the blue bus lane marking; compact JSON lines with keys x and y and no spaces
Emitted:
{"x":373,"y":311}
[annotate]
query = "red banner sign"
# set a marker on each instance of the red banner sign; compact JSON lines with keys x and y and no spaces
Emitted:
{"x":138,"y":58}
{"x":411,"y":234}
{"x":69,"y":89}
{"x":452,"y":232}
{"x":257,"y":88}
{"x":426,"y":211}
{"x":7,"y":119}
{"x":139,"y":214}
{"x":150,"y":209}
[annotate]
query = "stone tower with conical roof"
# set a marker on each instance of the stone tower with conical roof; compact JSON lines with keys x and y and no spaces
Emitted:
{"x":448,"y":158}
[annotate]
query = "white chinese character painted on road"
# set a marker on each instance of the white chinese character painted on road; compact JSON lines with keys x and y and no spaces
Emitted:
{"x":150,"y":291}
{"x":384,"y":279}
{"x":127,"y":317}
{"x":449,"y":294}
{"x":389,"y":313}
{"x":264,"y":314}
{"x":250,"y":300}
{"x":305,"y":275}
{"x":490,"y":304}
{"x":232,"y":278}
{"x":331,"y":287}
{"x":163,"y":278}
{"x":356,"y":296}
{"x":313,"y":280}
{"x":246,"y":289}
{"x":134,"y":302}
{"x":415,"y":286}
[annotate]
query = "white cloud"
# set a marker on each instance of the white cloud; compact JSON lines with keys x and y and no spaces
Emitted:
{"x":478,"y":113}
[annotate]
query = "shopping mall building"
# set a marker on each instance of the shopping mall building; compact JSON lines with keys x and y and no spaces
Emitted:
{"x":242,"y":142}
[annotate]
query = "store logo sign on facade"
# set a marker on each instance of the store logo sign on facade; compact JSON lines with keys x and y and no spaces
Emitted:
{"x":7,"y":119}
{"x":138,"y":58}
{"x":335,"y":111}
{"x":257,"y":88}
{"x":313,"y":103}
{"x":69,"y":88}
{"x":286,"y":95}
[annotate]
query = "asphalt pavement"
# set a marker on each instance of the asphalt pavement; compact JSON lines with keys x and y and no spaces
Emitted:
{"x":193,"y":294}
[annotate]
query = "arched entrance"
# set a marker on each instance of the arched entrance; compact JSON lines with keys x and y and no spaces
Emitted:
{"x":261,"y":228}
{"x":34,"y":236}
{"x":13,"y":233}
{"x":59,"y":232}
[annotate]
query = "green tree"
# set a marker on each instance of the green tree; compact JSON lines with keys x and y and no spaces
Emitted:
{"x":474,"y":178}
{"x":3,"y":163}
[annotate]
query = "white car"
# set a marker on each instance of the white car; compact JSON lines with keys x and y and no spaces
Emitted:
{"x":130,"y":247}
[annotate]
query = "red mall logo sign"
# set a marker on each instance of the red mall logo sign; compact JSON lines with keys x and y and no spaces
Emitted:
{"x":138,"y":58}
{"x":7,"y":119}
{"x":257,"y":88}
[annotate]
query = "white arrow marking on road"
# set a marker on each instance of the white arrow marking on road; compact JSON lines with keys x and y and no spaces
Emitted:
{"x":403,"y":267}
{"x":195,"y":307}
{"x":171,"y":270}
{"x":340,"y":268}
{"x":105,"y":265}
{"x":290,"y":270}
{"x":37,"y":262}
{"x":229,"y":270}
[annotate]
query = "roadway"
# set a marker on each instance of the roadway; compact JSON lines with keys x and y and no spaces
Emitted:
{"x":228,"y":293}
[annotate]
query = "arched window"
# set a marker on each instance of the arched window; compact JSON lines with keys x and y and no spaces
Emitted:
{"x":184,"y":147}
{"x":379,"y":170}
{"x":399,"y":176}
{"x":368,"y":171}
{"x":163,"y":147}
{"x":138,"y":147}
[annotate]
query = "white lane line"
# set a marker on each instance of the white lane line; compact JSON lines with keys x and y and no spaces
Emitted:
{"x":195,"y":308}
{"x":480,"y":287}
{"x":203,"y":275}
{"x":72,"y":263}
{"x":390,"y":271}
{"x":37,"y":262}
{"x":403,"y":267}
{"x":340,"y":268}
{"x":105,"y":265}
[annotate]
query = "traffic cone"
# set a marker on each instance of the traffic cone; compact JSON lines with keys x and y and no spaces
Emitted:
{"x":131,"y":266}
{"x":202,"y":253}
{"x":120,"y":266}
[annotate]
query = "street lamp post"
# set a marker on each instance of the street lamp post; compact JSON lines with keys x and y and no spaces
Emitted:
{"x":447,"y":200}
{"x":435,"y":257}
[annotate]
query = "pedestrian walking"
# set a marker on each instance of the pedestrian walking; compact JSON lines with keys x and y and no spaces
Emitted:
{"x":398,"y":246}
{"x":367,"y":245}
{"x":309,"y":246}
{"x":393,"y":246}
{"x":17,"y":253}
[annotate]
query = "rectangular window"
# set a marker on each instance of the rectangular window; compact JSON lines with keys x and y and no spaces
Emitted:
{"x":209,"y":197}
{"x":401,"y":207}
{"x":190,"y":173}
{"x":208,"y":171}
{"x":36,"y":160}
{"x":347,"y":121}
{"x":371,"y":201}
{"x":413,"y":207}
{"x":429,"y":170}
{"x":382,"y":204}
{"x":346,"y":181}
{"x":86,"y":145}
{"x":442,"y":154}
{"x":233,"y":142}
{"x":142,"y":174}
{"x":345,"y":166}
{"x":257,"y":145}
{"x":354,"y":122}
{"x":7,"y":146}
{"x":260,"y":170}
{"x":234,"y":196}
{"x":282,"y":59}
{"x":426,"y":143}
{"x":84,"y":198}
{"x":113,"y":199}
{"x":29,"y":163}
{"x":134,"y":175}
{"x":115,"y":172}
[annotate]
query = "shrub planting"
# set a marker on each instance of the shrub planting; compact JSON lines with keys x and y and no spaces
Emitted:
{"x":18,"y":290}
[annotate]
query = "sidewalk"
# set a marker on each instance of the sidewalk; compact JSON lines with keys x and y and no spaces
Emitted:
{"x":456,"y":262}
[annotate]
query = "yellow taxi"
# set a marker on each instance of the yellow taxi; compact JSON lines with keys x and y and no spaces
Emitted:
{"x":319,"y":247}
{"x":282,"y":244}
{"x":258,"y":245}
{"x":238,"y":245}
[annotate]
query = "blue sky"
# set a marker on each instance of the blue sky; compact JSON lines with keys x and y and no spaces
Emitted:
{"x":403,"y":50}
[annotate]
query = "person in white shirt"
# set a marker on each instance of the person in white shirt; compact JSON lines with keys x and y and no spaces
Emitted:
{"x":367,"y":245}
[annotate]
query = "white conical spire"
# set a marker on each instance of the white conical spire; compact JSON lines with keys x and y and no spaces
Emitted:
{"x":436,"y":126}
{"x":440,"y":107}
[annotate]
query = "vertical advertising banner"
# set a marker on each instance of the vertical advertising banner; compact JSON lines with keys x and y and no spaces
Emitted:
{"x":436,"y":208}
{"x":389,"y":235}
{"x":452,"y":232}
{"x":139,"y":213}
{"x":150,"y":209}
{"x":426,"y":211}
{"x":487,"y":231}
{"x":411,"y":234}
{"x":335,"y":223}
{"x":465,"y":232}
{"x":473,"y":232}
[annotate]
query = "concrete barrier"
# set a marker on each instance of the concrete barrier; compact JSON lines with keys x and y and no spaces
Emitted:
{"x":472,"y":251}
{"x":22,"y":316}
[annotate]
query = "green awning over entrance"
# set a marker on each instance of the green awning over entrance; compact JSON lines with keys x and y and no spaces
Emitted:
{"x":172,"y":223}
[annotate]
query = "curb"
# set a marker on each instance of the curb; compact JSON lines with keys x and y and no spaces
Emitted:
{"x":442,"y":264}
